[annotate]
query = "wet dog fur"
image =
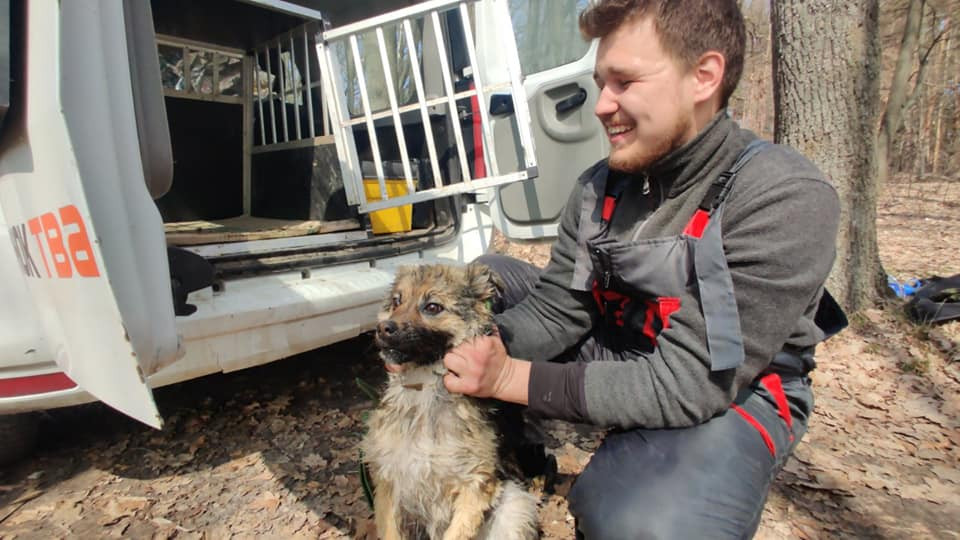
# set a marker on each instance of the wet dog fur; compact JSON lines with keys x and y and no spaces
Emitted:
{"x":433,"y":455}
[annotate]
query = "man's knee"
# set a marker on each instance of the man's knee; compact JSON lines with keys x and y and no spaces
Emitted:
{"x":606,"y":517}
{"x":649,"y":517}
{"x":669,"y":484}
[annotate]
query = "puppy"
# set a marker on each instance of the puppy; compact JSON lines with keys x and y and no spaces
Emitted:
{"x":433,"y":455}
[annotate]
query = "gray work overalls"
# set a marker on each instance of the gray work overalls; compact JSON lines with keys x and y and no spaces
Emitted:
{"x":638,"y":283}
{"x":706,"y":481}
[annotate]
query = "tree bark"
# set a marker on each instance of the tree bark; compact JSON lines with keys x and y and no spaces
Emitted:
{"x":826,"y":100}
{"x":944,"y":81}
{"x":899,"y":86}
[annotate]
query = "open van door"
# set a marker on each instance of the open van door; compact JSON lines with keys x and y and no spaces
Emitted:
{"x":75,"y":201}
{"x":557,"y":66}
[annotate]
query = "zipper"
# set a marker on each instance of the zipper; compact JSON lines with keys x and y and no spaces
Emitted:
{"x":646,"y":189}
{"x":604,"y":260}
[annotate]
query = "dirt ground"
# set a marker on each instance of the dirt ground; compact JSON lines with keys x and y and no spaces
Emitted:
{"x":271,"y":451}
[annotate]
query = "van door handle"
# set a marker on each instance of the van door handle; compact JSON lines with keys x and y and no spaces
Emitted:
{"x":572,"y":102}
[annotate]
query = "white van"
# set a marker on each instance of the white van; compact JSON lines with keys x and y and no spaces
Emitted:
{"x":197,"y":187}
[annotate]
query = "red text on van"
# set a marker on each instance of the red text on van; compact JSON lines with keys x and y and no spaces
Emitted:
{"x":59,"y":242}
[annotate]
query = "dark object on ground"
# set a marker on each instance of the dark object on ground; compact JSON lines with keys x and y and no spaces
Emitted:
{"x":938,"y":301}
{"x":18,"y":433}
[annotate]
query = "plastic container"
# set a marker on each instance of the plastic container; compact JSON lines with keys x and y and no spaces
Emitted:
{"x":389,"y":220}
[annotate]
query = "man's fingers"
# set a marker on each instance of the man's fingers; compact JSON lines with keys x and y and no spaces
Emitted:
{"x":453,"y":383}
{"x":454,"y":362}
{"x":393,"y":368}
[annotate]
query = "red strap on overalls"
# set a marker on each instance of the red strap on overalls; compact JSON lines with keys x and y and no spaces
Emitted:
{"x":607,"y":299}
{"x":767,"y":440}
{"x":609,"y":203}
{"x":697,"y":223}
{"x":774,"y":386}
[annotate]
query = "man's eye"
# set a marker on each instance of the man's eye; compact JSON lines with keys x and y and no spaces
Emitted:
{"x":432,"y":308}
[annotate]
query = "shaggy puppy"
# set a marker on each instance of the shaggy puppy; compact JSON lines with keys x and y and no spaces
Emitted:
{"x":433,"y":455}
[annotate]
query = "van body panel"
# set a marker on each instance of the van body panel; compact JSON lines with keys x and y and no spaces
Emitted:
{"x":75,"y":203}
{"x":89,"y":289}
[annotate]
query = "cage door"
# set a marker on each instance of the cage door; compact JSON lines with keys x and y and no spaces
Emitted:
{"x":419,"y":74}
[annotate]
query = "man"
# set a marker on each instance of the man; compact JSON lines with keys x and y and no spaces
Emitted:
{"x":679,"y":303}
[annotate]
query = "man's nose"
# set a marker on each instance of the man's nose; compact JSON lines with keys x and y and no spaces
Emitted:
{"x":606,"y":103}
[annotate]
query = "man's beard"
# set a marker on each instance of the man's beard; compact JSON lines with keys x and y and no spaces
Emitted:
{"x":640,"y":158}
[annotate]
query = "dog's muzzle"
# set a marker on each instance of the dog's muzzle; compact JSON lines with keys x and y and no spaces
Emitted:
{"x":400,"y":343}
{"x":386,"y":339}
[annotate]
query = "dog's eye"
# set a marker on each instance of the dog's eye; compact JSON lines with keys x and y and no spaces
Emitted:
{"x":432,"y":308}
{"x":395,"y":301}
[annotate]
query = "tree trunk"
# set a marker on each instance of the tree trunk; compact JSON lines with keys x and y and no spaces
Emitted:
{"x":944,"y":81}
{"x":893,"y":115}
{"x":826,"y":99}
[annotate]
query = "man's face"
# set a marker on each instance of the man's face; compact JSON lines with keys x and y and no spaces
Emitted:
{"x":646,"y":101}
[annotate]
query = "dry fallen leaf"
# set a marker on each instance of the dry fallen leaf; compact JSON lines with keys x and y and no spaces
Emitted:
{"x":948,"y":474}
{"x":118,"y":508}
{"x":941,"y":493}
{"x":266,"y":501}
{"x":314,"y":461}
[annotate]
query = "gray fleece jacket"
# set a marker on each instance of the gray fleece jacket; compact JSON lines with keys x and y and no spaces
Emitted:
{"x":779,"y":230}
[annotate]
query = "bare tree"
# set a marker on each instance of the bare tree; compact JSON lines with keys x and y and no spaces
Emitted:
{"x":917,"y":43}
{"x":826,"y":101}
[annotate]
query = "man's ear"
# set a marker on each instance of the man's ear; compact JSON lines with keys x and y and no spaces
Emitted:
{"x":708,"y":74}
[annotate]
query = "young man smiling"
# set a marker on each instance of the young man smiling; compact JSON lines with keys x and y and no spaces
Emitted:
{"x":680,"y":303}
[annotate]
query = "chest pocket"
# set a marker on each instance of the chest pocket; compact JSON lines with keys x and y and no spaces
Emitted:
{"x":639,"y":284}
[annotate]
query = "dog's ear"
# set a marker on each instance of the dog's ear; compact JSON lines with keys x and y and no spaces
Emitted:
{"x":401,"y":273}
{"x":485,"y":284}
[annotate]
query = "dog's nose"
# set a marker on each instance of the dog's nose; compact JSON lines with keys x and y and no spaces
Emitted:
{"x":387,"y":328}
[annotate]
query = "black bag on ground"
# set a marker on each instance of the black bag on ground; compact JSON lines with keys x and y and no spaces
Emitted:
{"x":937,"y":301}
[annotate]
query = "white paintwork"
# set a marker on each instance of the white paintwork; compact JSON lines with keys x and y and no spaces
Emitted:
{"x":99,"y":330}
{"x":259,"y":320}
{"x":554,"y":156}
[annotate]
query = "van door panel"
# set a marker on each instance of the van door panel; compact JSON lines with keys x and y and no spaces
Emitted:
{"x":558,"y":80}
{"x":74,"y":196}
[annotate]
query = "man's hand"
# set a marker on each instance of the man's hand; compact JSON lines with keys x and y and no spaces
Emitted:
{"x":481,"y":368}
{"x":394,"y":368}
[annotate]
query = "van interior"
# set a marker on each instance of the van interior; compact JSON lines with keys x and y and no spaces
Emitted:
{"x":256,"y":176}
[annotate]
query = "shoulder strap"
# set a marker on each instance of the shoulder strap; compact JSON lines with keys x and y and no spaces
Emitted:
{"x":721,"y":186}
{"x":719,"y":189}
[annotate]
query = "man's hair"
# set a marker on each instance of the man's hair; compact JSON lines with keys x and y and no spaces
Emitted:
{"x":687,"y":29}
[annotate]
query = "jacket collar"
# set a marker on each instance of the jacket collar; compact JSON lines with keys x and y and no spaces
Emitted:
{"x":685,"y":166}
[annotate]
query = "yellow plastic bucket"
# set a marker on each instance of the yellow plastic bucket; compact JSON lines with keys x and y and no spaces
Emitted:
{"x":389,"y":220}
